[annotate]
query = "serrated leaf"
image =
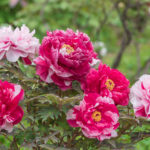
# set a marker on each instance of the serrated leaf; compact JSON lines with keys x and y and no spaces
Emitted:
{"x":48,"y":112}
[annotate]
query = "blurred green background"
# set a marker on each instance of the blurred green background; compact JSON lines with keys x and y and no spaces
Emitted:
{"x":119,"y":30}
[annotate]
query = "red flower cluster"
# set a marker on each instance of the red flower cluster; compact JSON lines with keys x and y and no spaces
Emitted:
{"x":97,"y":113}
{"x":66,"y":56}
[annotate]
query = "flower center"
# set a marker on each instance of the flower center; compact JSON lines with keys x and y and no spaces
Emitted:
{"x":68,"y":48}
{"x":110,"y":84}
{"x":96,"y":116}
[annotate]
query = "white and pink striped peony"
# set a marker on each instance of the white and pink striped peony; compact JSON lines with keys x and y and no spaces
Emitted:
{"x":140,"y":97}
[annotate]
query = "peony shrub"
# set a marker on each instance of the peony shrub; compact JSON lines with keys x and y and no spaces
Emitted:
{"x":59,"y":112}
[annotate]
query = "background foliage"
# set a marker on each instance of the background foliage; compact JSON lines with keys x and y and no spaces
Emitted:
{"x":120,"y":31}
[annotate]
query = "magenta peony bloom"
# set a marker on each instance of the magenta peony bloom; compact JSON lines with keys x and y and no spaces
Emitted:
{"x":96,"y":115}
{"x":10,"y":112}
{"x":140,"y":97}
{"x":108,"y":82}
{"x":18,"y":43}
{"x":65,"y":56}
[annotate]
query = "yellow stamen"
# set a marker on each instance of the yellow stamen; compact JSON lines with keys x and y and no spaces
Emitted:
{"x":96,"y":116}
{"x":110,"y":84}
{"x":68,"y":48}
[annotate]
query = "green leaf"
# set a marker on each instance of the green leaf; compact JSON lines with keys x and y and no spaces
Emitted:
{"x":48,"y":112}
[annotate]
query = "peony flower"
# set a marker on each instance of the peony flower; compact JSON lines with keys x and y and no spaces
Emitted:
{"x":140,"y":97}
{"x":18,"y":43}
{"x":108,"y":82}
{"x":96,"y":115}
{"x":65,"y":56}
{"x":10,"y":112}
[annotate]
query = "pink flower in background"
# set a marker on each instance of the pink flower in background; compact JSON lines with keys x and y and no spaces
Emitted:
{"x":140,"y":97}
{"x":18,"y":43}
{"x":108,"y":82}
{"x":65,"y":56}
{"x":96,"y":115}
{"x":13,"y":3}
{"x":10,"y":112}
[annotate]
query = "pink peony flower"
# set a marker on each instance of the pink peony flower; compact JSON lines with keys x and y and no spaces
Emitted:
{"x":10,"y":112}
{"x":96,"y":115}
{"x":108,"y":82}
{"x":18,"y":43}
{"x":65,"y":56}
{"x":140,"y":97}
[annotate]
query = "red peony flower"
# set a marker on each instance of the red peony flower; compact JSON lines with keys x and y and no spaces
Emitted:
{"x":108,"y":82}
{"x":96,"y":115}
{"x":10,"y":112}
{"x":65,"y":56}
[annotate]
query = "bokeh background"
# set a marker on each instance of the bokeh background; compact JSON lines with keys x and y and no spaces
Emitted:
{"x":119,"y":30}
